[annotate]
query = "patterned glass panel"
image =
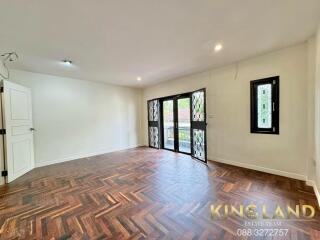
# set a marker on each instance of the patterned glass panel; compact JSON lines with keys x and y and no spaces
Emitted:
{"x":153,"y":110}
{"x":150,"y":108}
{"x":154,"y":137}
{"x":264,"y":106}
{"x":198,"y":144}
{"x":198,"y":106}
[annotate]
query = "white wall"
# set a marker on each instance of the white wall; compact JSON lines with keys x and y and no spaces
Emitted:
{"x":75,"y":118}
{"x":228,"y":108}
{"x":317,"y":107}
{"x":311,"y":173}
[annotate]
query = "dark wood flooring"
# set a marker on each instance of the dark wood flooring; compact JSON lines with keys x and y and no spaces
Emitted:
{"x":144,"y":193}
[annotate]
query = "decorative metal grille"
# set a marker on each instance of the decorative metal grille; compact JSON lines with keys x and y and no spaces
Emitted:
{"x":153,"y":110}
{"x":154,"y":137}
{"x":198,"y":106}
{"x":199,"y":144}
{"x":264,"y":93}
{"x":150,"y":108}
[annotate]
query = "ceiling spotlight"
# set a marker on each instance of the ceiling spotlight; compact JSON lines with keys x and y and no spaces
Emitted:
{"x":139,"y":79}
{"x":217,"y":47}
{"x":67,"y":62}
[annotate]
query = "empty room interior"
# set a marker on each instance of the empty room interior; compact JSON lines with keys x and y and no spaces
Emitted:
{"x":160,"y":119}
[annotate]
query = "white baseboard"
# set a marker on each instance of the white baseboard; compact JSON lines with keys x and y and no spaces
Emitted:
{"x":315,"y":188}
{"x":261,"y":169}
{"x":238,"y":164}
{"x":273,"y":171}
{"x":79,"y":156}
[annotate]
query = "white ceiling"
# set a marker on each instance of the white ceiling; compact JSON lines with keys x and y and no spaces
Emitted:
{"x":115,"y":41}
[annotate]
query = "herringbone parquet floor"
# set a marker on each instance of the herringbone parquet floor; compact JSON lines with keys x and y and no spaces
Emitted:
{"x":143,"y":193}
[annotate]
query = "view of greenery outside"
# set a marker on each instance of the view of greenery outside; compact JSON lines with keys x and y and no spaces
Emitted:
{"x":264,"y":106}
{"x":184,"y":135}
{"x":184,"y":103}
{"x":183,"y":124}
{"x":168,"y":105}
{"x":168,"y":124}
{"x":168,"y":111}
{"x":184,"y":119}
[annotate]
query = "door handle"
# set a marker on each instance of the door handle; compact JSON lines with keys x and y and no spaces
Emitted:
{"x":32,"y":129}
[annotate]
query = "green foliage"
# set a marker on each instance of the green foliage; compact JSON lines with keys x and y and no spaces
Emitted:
{"x":184,"y":135}
{"x":264,"y":106}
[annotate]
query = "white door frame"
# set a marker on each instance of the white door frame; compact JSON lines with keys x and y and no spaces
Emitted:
{"x":19,"y":148}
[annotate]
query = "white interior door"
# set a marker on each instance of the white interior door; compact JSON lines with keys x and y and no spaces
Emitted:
{"x":17,"y":110}
{"x":2,"y":141}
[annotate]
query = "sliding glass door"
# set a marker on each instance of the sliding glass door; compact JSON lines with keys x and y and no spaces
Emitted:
{"x":184,"y":125}
{"x":178,"y":123}
{"x":168,"y":124}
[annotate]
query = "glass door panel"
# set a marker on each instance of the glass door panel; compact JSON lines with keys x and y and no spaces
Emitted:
{"x":184,"y":125}
{"x":198,"y":125}
{"x":153,"y":123}
{"x":168,"y":125}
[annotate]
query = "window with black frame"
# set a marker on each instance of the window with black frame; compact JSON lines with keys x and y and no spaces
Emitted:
{"x":265,"y":105}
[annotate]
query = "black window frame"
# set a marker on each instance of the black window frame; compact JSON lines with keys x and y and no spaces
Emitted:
{"x":275,"y":82}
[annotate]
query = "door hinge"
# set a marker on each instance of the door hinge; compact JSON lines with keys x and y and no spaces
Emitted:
{"x":2,"y":131}
{"x":4,"y":173}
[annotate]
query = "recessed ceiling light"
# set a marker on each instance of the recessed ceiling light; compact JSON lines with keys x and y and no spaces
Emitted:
{"x":67,"y":62}
{"x":139,"y":79}
{"x":217,"y":47}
